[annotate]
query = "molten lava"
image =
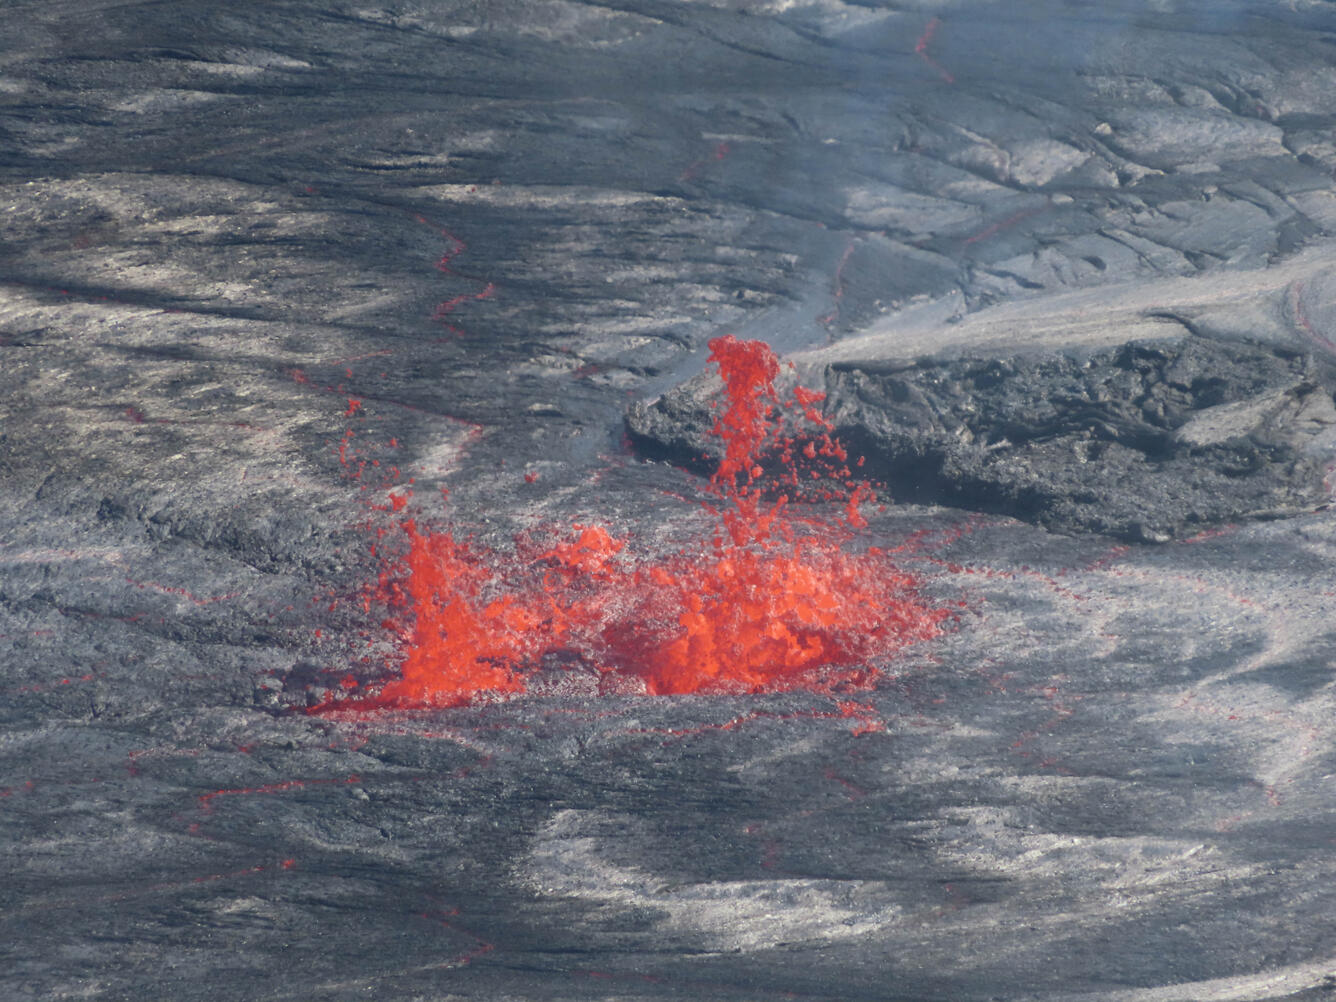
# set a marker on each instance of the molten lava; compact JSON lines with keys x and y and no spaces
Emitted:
{"x":771,"y":603}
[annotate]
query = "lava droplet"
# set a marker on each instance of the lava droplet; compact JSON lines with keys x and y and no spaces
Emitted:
{"x":769,"y":603}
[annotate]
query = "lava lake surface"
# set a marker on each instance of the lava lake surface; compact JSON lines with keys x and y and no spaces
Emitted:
{"x":278,"y":278}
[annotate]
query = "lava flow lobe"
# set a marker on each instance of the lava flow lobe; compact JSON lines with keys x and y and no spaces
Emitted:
{"x":770,"y":602}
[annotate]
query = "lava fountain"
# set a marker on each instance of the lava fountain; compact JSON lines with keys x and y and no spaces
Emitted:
{"x":771,"y":602}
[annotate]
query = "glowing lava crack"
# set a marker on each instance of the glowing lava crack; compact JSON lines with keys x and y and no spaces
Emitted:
{"x":771,"y":603}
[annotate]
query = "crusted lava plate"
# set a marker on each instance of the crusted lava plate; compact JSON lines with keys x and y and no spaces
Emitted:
{"x":1149,"y":440}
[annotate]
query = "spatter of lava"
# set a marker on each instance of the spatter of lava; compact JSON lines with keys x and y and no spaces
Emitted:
{"x":770,"y":602}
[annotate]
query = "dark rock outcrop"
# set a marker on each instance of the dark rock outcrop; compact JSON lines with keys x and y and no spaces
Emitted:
{"x":1147,"y":441}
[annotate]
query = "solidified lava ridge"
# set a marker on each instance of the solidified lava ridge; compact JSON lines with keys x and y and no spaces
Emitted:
{"x":769,"y":602}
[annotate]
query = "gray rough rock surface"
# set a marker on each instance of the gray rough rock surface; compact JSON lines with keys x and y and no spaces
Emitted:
{"x":1148,"y":441}
{"x":497,"y":224}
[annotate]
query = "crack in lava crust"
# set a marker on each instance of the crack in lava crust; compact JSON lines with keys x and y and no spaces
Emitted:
{"x":770,"y":603}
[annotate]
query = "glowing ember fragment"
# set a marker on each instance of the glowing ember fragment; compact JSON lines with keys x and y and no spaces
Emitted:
{"x":773,"y":603}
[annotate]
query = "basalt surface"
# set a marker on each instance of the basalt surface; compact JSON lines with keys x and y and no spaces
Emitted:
{"x":1148,"y":441}
{"x":277,"y":277}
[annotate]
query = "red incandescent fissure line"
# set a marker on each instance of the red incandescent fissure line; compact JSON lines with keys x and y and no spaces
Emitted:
{"x":457,"y":247}
{"x":768,"y":601}
{"x":921,"y":49}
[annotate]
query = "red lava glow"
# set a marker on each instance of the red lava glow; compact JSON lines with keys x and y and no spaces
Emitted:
{"x":721,"y":151}
{"x":921,"y":48}
{"x":770,"y":602}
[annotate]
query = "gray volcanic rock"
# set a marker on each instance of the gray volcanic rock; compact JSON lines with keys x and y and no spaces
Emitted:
{"x":1147,"y":441}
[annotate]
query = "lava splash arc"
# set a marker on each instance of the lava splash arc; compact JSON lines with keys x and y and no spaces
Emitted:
{"x":768,"y":602}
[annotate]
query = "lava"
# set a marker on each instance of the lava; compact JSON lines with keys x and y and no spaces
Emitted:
{"x":721,"y":151}
{"x":921,"y":48}
{"x":770,"y":602}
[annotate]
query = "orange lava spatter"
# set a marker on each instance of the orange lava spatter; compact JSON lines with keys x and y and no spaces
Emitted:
{"x":771,"y":602}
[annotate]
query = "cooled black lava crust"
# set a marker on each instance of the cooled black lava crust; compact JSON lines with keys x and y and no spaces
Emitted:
{"x":1148,"y":441}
